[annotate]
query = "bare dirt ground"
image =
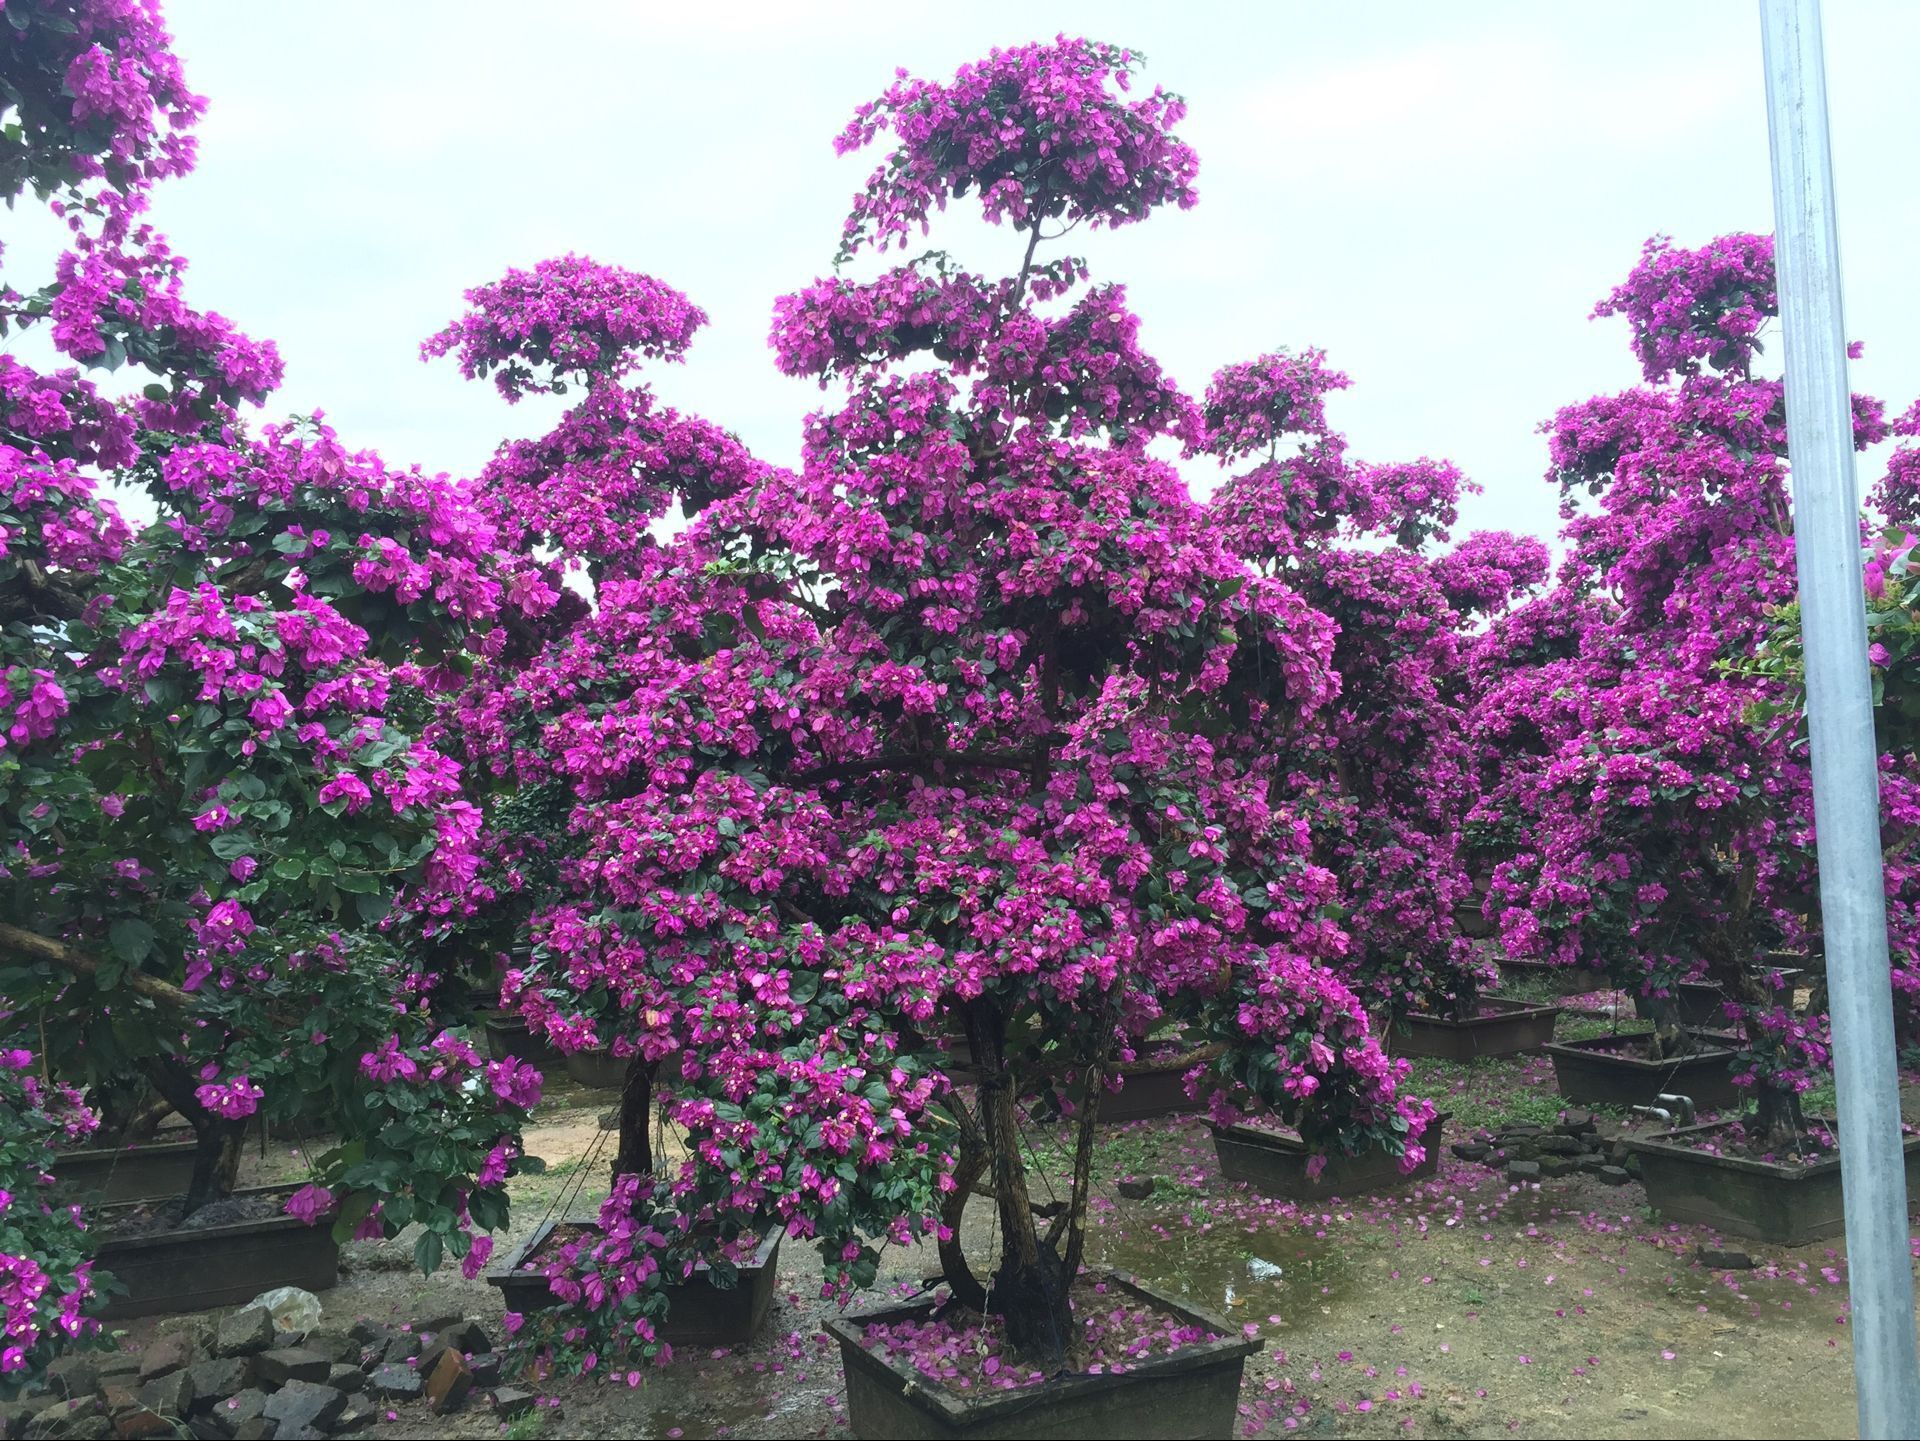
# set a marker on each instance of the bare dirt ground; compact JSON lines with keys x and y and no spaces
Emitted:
{"x":1463,"y":1307}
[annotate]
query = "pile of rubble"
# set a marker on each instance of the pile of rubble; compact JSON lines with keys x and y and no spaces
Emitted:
{"x":247,"y":1378}
{"x":1535,"y":1153}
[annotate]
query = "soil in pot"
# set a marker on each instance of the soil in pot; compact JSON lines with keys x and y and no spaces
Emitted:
{"x":1147,"y":1366}
{"x":1502,"y":1028}
{"x":226,"y":1253}
{"x":1617,"y":1070}
{"x":699,"y":1314}
{"x":1707,"y":1175}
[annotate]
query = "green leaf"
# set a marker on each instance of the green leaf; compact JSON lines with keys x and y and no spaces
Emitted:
{"x":427,"y":1252}
{"x":132,"y":939}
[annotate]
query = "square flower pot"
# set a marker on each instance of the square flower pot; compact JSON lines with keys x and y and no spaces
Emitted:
{"x":1788,"y":1205}
{"x":1503,"y":1028}
{"x":1274,"y":1163}
{"x":196,"y":1270}
{"x":598,"y":1070}
{"x":1148,"y":1092}
{"x":1702,"y":1003}
{"x":1559,"y":980}
{"x":509,"y":1036}
{"x":1601,"y":1072}
{"x":1473,"y":924}
{"x":124,"y":1173}
{"x":699,"y":1313}
{"x":1190,"y":1393}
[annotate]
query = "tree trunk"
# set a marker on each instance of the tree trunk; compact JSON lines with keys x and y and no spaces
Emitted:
{"x":1076,"y":1217}
{"x":969,"y":1167}
{"x":1029,"y":1290}
{"x":635,"y":1156}
{"x":217,"y":1140}
{"x":216,"y":1161}
{"x":1730,"y":956}
{"x":1778,"y":1119}
{"x":146,"y":1121}
{"x":1670,"y":1038}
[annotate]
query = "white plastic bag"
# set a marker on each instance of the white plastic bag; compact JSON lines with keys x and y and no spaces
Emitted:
{"x":292,"y":1309}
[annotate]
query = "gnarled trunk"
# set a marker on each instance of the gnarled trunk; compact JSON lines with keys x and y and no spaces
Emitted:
{"x":1670,"y":1039}
{"x":1729,"y":953}
{"x":635,"y":1154}
{"x":1030,"y":1286}
{"x":217,"y":1140}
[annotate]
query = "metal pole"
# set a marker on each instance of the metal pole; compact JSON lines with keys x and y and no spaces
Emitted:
{"x":1846,"y":800}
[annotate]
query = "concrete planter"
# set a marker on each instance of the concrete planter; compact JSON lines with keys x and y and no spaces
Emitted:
{"x":1274,"y":1163}
{"x":1786,"y":1205}
{"x":699,"y":1313}
{"x":1702,"y":1003}
{"x":124,"y":1173}
{"x":1192,"y":1393}
{"x":508,"y":1036}
{"x":197,"y":1270}
{"x":1605,"y":1071}
{"x":1503,"y":1028}
{"x":1559,"y":980}
{"x":598,"y":1070}
{"x":1151,"y":1091}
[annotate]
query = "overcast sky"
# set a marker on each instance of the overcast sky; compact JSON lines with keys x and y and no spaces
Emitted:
{"x":1437,"y":195}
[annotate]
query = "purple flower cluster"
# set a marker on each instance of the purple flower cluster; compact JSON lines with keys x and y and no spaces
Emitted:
{"x":568,"y":317}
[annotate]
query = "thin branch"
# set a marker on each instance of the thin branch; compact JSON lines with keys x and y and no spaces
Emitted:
{"x":919,"y":761}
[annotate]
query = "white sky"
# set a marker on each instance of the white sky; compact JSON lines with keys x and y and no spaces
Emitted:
{"x":1437,"y":195}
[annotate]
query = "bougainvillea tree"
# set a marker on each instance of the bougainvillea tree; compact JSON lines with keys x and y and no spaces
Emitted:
{"x":46,"y":1282}
{"x":1660,"y":813}
{"x":966,"y":729}
{"x":549,"y":716}
{"x":1386,"y":764}
{"x":212,"y":778}
{"x":1892,"y":607}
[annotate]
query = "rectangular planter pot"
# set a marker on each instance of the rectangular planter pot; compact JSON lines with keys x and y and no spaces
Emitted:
{"x":218,"y":1265}
{"x":1701,"y":1003}
{"x":1560,"y":980}
{"x":1595,"y":1073}
{"x":1504,"y":1028}
{"x":699,"y":1313}
{"x":1154,"y":1091}
{"x":598,"y":1070}
{"x":1472,"y":923}
{"x":1192,"y":1393}
{"x":124,"y":1173}
{"x":1787,"y":1205}
{"x":1274,"y":1163}
{"x":508,"y":1036}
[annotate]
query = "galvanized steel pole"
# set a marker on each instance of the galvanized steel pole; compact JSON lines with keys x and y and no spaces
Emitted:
{"x":1840,"y":720}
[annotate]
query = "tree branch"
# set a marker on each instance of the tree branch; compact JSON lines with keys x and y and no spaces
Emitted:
{"x":31,"y":946}
{"x":920,"y":761}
